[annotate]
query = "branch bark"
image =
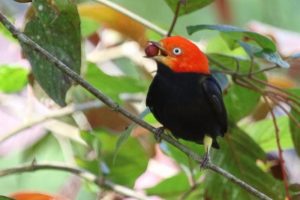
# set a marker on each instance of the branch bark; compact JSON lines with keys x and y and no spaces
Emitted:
{"x":115,"y":107}
{"x":101,"y":182}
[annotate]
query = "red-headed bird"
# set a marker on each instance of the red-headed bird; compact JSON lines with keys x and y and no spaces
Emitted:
{"x":183,"y":96}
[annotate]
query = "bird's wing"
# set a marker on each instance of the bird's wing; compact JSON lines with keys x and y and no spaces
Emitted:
{"x":214,"y":94}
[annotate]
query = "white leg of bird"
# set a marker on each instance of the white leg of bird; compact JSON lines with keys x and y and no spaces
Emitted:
{"x":207,"y":141}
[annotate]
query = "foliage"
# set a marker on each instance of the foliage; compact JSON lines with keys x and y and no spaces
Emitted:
{"x":112,"y":147}
{"x":56,"y":27}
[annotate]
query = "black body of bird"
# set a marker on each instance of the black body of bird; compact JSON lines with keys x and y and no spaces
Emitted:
{"x":190,"y":105}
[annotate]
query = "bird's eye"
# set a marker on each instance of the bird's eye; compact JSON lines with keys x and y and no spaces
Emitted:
{"x":177,"y":51}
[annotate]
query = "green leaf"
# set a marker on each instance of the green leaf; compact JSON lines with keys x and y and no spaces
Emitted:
{"x":171,"y":187}
{"x":88,"y":26}
{"x":189,"y":6}
{"x":56,"y":27}
{"x":240,"y":102}
{"x":45,"y":150}
{"x":126,"y":134}
{"x":263,"y":133}
{"x":273,"y":57}
{"x":4,"y":32}
{"x":294,"y":128}
{"x":12,"y":78}
{"x":237,"y":34}
{"x":113,"y":86}
{"x":5,"y":198}
{"x":131,"y":162}
{"x":238,"y":155}
{"x":178,"y":155}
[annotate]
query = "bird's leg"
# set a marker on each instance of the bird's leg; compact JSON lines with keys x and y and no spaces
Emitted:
{"x":158,"y":134}
{"x":207,"y":145}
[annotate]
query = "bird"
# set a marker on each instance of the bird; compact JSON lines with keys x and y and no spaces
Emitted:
{"x":183,"y":95}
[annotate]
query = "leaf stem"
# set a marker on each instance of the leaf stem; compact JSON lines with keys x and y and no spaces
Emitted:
{"x":176,"y":14}
{"x":281,"y":160}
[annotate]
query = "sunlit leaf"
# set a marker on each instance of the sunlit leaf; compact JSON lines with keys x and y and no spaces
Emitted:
{"x":55,"y":26}
{"x":45,"y":150}
{"x":6,"y":33}
{"x":171,"y":187}
{"x":237,"y":34}
{"x":189,"y":6}
{"x":263,"y":133}
{"x":113,"y":19}
{"x":12,"y":78}
{"x":88,"y":26}
{"x":113,"y":86}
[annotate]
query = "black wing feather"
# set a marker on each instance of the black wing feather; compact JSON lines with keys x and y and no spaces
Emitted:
{"x":214,"y":94}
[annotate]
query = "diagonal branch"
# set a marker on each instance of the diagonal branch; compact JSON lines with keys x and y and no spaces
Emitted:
{"x":115,"y":107}
{"x":101,"y":182}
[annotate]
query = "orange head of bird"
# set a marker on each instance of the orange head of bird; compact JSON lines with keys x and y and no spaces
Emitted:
{"x":179,"y":54}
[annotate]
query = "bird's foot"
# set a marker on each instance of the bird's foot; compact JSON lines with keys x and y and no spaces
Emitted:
{"x":205,"y":161}
{"x":158,"y":134}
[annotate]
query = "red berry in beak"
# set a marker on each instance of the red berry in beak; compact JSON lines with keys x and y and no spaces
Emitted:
{"x":151,"y":50}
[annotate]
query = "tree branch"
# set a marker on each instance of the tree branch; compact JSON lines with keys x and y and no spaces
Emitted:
{"x":115,"y":107}
{"x":133,"y":16}
{"x":101,"y":182}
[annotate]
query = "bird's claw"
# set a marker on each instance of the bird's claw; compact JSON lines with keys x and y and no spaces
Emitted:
{"x":158,"y":134}
{"x":205,"y":161}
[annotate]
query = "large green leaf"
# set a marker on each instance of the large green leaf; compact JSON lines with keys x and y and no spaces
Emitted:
{"x":113,"y":86}
{"x":45,"y":150}
{"x":56,"y":27}
{"x":263,"y":133}
{"x":171,"y":187}
{"x":238,"y":155}
{"x":295,"y":130}
{"x":189,"y":6}
{"x":12,"y":78}
{"x":130,"y":163}
{"x":237,"y":34}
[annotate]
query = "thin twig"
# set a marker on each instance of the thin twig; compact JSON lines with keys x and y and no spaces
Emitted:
{"x":281,"y":160}
{"x":54,"y":114}
{"x":176,"y":14}
{"x":101,"y":182}
{"x":133,"y":16}
{"x":115,"y":107}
